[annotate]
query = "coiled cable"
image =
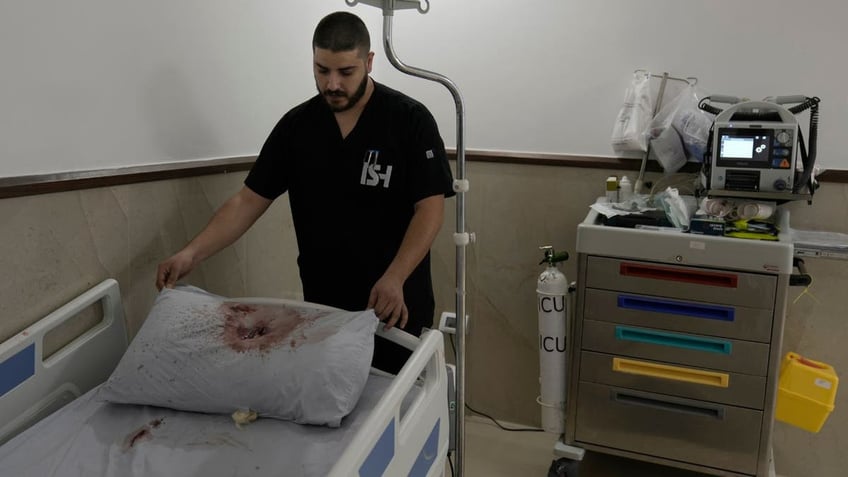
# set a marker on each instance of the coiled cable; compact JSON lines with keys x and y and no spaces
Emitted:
{"x":808,"y":156}
{"x":702,"y":105}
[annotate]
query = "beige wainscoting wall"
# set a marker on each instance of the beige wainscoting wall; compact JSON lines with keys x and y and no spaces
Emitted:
{"x":55,"y":245}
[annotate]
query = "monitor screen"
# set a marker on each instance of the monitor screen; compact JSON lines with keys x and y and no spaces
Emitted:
{"x":744,"y":147}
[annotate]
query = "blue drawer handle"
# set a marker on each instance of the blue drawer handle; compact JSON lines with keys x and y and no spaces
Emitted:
{"x":697,"y":310}
{"x":676,"y":340}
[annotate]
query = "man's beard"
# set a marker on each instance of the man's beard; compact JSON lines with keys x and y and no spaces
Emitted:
{"x":352,"y":99}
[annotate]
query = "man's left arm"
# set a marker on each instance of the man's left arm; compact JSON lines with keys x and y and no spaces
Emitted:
{"x":387,"y":294}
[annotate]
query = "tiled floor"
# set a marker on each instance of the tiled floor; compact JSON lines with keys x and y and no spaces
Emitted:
{"x":492,"y":452}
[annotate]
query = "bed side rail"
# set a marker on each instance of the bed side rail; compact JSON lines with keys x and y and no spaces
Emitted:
{"x":31,"y":387}
{"x":412,"y":443}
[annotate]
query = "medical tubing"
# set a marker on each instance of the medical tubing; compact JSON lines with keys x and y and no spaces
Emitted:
{"x":460,"y":223}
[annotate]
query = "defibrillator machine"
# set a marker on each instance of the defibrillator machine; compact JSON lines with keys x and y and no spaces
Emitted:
{"x":755,"y":148}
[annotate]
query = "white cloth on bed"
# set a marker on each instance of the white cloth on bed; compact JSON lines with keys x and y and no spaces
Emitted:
{"x":91,"y":438}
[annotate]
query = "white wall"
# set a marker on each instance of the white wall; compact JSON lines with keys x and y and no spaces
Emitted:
{"x":100,"y":83}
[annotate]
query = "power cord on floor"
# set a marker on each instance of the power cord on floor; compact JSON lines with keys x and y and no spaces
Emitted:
{"x":510,"y":429}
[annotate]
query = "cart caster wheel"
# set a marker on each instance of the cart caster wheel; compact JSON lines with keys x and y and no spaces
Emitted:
{"x":563,"y":468}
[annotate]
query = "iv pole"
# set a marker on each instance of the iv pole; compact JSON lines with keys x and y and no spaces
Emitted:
{"x":460,"y":186}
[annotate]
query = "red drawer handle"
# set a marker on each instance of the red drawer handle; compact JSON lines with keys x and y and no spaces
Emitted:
{"x":715,"y":279}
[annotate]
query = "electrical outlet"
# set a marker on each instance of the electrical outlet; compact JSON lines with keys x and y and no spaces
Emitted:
{"x":447,"y":323}
{"x":450,"y":323}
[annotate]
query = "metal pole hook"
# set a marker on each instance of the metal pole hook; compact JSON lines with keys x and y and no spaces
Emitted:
{"x":423,"y":6}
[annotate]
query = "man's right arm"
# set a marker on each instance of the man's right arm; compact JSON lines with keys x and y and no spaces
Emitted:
{"x":229,"y":223}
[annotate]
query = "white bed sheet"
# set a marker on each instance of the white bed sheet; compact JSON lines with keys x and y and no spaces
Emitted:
{"x":92,"y":438}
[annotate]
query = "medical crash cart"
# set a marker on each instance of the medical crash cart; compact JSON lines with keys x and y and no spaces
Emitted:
{"x":675,"y":345}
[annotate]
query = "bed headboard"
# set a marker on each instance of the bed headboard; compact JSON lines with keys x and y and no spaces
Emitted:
{"x":31,"y":387}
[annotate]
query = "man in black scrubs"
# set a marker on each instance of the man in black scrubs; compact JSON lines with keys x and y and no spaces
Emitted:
{"x":367,"y":176}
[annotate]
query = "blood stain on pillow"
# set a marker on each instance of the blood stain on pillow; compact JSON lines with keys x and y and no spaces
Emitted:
{"x":143,"y":433}
{"x":261,"y":327}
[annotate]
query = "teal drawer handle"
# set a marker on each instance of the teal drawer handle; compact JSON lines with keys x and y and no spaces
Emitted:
{"x":675,"y":340}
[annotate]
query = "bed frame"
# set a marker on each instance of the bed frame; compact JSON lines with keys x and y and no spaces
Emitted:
{"x":413,"y":443}
{"x":31,"y":387}
{"x":416,"y":442}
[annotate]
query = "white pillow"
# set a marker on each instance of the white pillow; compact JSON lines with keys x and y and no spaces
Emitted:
{"x":200,"y":352}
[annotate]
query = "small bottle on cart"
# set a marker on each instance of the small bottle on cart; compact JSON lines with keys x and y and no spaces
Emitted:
{"x":625,"y":189}
{"x":612,"y":189}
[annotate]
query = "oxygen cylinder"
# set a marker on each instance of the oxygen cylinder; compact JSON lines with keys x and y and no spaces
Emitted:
{"x":552,"y":305}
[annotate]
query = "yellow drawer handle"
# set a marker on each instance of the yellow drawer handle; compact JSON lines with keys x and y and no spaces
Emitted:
{"x":674,"y":373}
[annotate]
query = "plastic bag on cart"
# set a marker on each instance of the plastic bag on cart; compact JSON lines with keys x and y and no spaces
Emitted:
{"x":634,"y":118}
{"x":692,"y":124}
{"x":680,"y":130}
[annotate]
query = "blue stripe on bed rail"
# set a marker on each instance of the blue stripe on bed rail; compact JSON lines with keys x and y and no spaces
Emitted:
{"x":17,"y":369}
{"x":381,"y":455}
{"x":428,"y":454}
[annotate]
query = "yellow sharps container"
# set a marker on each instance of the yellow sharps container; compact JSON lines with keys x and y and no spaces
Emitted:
{"x":806,"y":392}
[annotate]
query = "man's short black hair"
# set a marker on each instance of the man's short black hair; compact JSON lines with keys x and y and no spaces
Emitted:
{"x":342,"y":31}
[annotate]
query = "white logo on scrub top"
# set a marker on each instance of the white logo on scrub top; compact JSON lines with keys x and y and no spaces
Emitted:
{"x":372,"y":173}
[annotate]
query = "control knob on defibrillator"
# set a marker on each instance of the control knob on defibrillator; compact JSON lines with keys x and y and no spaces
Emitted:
{"x":783,"y":137}
{"x":780,"y":185}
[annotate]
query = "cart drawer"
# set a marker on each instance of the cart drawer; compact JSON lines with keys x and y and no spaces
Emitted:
{"x":706,"y":285}
{"x":664,"y":378}
{"x":698,"y":432}
{"x":680,"y":348}
{"x":731,"y":321}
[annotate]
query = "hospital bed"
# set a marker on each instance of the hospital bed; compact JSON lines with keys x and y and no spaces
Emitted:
{"x":52,"y":424}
